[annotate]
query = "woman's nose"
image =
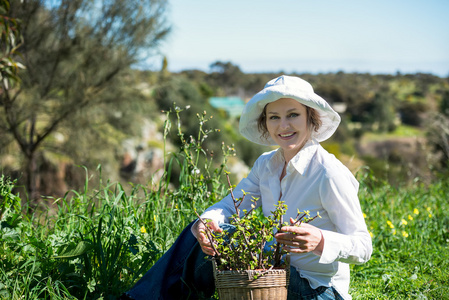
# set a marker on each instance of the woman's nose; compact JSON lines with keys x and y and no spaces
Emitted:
{"x":284,"y":123}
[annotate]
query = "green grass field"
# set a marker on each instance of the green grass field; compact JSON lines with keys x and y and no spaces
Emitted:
{"x":410,"y":231}
{"x":101,"y":240}
{"x":97,"y":242}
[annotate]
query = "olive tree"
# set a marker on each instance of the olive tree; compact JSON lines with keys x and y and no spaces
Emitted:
{"x":76,"y":53}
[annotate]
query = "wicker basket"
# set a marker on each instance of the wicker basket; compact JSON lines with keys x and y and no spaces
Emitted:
{"x":236,"y":285}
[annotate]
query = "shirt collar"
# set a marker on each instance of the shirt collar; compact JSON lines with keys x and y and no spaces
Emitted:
{"x":300,"y":161}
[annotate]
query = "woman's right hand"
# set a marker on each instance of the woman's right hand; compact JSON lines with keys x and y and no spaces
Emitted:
{"x":199,"y":231}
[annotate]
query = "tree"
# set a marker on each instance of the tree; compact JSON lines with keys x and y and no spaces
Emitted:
{"x":444,"y":105}
{"x":76,"y":52}
{"x":11,"y":39}
{"x":384,"y":112}
{"x":227,"y":75}
{"x":437,"y":131}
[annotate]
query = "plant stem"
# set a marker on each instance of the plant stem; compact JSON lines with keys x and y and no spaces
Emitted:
{"x":277,"y":254}
{"x":299,"y":220}
{"x":232,"y":196}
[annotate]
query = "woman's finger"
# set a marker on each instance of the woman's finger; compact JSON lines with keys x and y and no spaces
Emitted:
{"x":203,"y":235}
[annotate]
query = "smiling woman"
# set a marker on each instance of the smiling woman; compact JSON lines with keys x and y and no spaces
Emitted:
{"x":301,"y":174}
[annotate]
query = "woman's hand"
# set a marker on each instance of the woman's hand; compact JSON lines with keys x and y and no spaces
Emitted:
{"x":301,"y":239}
{"x":200,"y":232}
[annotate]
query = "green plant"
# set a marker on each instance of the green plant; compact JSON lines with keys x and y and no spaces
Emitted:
{"x":250,"y":244}
{"x":69,"y":251}
{"x":409,"y":229}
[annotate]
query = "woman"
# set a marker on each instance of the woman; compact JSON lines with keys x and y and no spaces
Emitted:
{"x":300,"y":172}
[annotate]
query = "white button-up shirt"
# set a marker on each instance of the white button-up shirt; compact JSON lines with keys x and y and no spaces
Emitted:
{"x":318,"y":182}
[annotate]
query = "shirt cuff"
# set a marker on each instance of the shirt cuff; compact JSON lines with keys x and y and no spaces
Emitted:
{"x":336,"y":246}
{"x":215,"y":214}
{"x":193,"y":225}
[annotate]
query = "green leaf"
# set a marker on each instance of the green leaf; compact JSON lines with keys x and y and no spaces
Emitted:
{"x":132,"y":242}
{"x":10,"y":234}
{"x":71,"y":250}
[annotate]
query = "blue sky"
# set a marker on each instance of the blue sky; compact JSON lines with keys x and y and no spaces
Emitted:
{"x":376,"y":36}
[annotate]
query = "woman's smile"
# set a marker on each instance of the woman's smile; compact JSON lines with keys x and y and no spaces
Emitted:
{"x":287,"y":135}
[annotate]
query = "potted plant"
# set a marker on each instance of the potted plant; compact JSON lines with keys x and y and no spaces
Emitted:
{"x":248,"y":264}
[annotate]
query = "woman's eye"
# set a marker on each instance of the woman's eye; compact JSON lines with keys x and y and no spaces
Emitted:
{"x":293,"y":115}
{"x":274,"y":117}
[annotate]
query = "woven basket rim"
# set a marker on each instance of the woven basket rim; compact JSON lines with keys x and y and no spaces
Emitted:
{"x":252,"y":278}
{"x":258,"y":271}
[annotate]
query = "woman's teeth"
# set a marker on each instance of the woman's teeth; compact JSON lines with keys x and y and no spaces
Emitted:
{"x":286,"y":135}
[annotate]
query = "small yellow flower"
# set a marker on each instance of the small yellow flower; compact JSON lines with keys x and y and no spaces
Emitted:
{"x":416,"y":211}
{"x":403,"y":222}
{"x":430,"y":215}
{"x":390,"y":224}
{"x":410,"y":217}
{"x":394,"y":231}
{"x":404,"y":234}
{"x":371,"y":234}
{"x":154,"y":218}
{"x":143,"y":230}
{"x":364,"y":215}
{"x":428,"y":208}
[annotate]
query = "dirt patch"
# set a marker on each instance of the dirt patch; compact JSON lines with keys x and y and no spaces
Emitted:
{"x":410,"y":153}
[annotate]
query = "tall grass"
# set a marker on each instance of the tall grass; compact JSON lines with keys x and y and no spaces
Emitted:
{"x":103,"y":238}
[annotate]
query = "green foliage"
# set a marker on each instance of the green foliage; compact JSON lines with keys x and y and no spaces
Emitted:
{"x":10,"y":203}
{"x":444,"y":104}
{"x":410,"y":234}
{"x":77,"y":54}
{"x":250,"y":244}
{"x":198,"y":177}
{"x":92,"y":247}
{"x":245,"y":248}
{"x":11,"y":39}
{"x":101,"y":239}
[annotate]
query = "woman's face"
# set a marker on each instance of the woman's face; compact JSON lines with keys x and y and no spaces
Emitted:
{"x":287,"y":125}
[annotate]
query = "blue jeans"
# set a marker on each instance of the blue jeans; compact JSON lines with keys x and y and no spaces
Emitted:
{"x":184,"y":273}
{"x":299,"y":288}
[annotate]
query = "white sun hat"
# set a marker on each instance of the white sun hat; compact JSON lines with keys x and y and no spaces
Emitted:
{"x":286,"y":87}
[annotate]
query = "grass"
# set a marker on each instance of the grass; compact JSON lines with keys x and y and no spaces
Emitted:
{"x":103,"y":238}
{"x":402,"y":131}
{"x":410,"y":232}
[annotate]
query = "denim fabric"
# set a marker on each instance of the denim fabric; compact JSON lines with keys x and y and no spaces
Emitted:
{"x":300,"y":289}
{"x":184,"y":273}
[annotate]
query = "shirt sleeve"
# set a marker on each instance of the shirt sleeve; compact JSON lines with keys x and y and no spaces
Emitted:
{"x":221,"y":211}
{"x":351,"y":243}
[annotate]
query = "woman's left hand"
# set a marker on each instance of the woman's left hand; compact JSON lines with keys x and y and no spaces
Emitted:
{"x":301,"y":239}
